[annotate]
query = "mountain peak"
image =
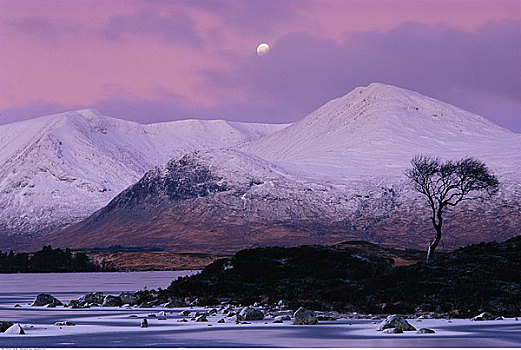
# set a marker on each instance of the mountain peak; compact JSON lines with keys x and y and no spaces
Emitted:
{"x":380,"y":128}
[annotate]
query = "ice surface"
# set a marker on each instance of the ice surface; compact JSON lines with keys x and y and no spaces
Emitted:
{"x":113,"y":327}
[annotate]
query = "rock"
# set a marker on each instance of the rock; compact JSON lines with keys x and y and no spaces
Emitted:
{"x":326,"y":318}
{"x":144,"y":323}
{"x":201,"y":318}
{"x":17,"y":305}
{"x":304,"y":317}
{"x":425,"y":331}
{"x":221,"y":321}
{"x":484,"y":316}
{"x":4,"y":325}
{"x":162,"y":313}
{"x":15,"y":329}
{"x":230,"y":314}
{"x":213,"y":312}
{"x":174,"y":303}
{"x":278,"y":319}
{"x":134,"y":316}
{"x":392,"y":331}
{"x":45,"y":299}
{"x":152,"y":315}
{"x":499,"y":318}
{"x":184,"y":313}
{"x":396,"y":321}
{"x":251,"y":314}
{"x":144,"y":305}
{"x":94,"y":297}
{"x":161,"y":318}
{"x":286,"y":318}
{"x":129,"y":298}
{"x":236,"y":318}
{"x":183,"y":320}
{"x":64,"y":323}
{"x":111,"y":301}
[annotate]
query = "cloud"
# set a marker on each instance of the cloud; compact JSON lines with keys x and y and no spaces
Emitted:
{"x":28,"y":111}
{"x":303,"y":71}
{"x":171,"y":27}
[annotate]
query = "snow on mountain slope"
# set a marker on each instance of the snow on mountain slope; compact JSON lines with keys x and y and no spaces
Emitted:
{"x":376,"y":130}
{"x":335,"y":175}
{"x":57,"y":169}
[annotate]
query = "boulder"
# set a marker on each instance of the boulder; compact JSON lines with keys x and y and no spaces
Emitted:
{"x":174,"y":303}
{"x":484,"y":316}
{"x":144,"y":323}
{"x":64,"y":323}
{"x":201,"y":318}
{"x":129,"y":298}
{"x":425,"y":331}
{"x":43,"y":299}
{"x":184,"y":313}
{"x":94,"y":297}
{"x":221,"y":321}
{"x":15,"y":329}
{"x":144,"y":305}
{"x":392,"y":331}
{"x":111,"y":300}
{"x":304,"y":317}
{"x":251,"y":314}
{"x":278,"y":319}
{"x":396,"y":321}
{"x":4,"y":325}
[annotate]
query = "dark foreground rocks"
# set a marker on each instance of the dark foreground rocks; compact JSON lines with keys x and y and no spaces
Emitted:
{"x":4,"y":325}
{"x":15,"y":329}
{"x":304,"y":317}
{"x":44,"y":299}
{"x":396,"y":322}
{"x":251,"y":314}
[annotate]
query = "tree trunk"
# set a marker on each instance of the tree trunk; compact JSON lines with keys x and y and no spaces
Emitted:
{"x":437,"y":237}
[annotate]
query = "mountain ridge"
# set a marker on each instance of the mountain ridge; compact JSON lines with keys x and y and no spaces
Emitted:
{"x":347,"y":190}
{"x":60,"y":168}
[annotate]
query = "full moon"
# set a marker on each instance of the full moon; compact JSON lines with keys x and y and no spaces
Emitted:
{"x":263,"y":49}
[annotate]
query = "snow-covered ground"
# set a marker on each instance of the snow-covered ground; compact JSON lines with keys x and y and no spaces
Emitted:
{"x":115,"y":327}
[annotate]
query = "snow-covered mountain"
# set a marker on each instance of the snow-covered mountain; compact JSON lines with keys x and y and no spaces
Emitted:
{"x":376,"y":130}
{"x":337,"y":174}
{"x":60,"y":168}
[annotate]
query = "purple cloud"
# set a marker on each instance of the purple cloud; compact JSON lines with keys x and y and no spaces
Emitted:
{"x":463,"y":68}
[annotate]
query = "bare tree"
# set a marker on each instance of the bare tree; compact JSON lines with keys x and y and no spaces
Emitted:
{"x":445,"y":184}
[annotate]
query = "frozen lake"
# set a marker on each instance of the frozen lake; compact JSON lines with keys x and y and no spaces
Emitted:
{"x":114,"y":327}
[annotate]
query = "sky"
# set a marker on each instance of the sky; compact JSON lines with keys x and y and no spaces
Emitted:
{"x":151,"y":61}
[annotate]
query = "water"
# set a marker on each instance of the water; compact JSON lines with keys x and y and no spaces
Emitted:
{"x":23,"y":287}
{"x":114,"y":327}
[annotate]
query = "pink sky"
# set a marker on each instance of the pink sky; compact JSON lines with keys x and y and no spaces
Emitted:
{"x":163,"y":60}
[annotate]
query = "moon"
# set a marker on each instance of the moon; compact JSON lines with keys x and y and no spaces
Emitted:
{"x":263,"y":49}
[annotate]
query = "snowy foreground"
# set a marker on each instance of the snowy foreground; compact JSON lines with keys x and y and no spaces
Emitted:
{"x":120,"y":327}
